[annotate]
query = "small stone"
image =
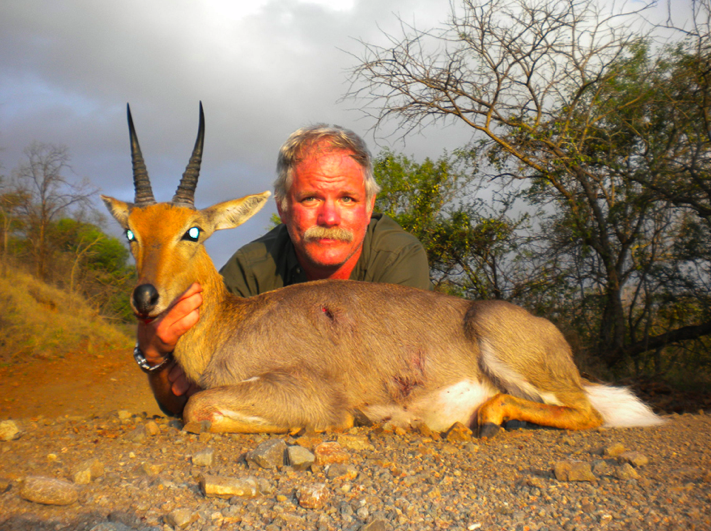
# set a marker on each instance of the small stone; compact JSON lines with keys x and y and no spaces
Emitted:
{"x":614,"y":450}
{"x":309,"y":441}
{"x":88,"y":471}
{"x":269,"y":454}
{"x":330,"y":452}
{"x":627,"y":471}
{"x":126,"y":518}
{"x":434,"y":493}
{"x":471,"y":447}
{"x":534,"y":481}
{"x":376,"y":525}
{"x":111,"y":526}
{"x":9,"y":430}
{"x":96,"y":467}
{"x":573,"y":471}
{"x":203,"y":457}
{"x":265,"y":487}
{"x":355,"y":442}
{"x":601,"y":468}
{"x":399,"y":430}
{"x":48,"y":491}
{"x":124,"y":414}
{"x":426,"y":431}
{"x":227,"y":487}
{"x":137,"y":435}
{"x":176,"y":424}
{"x":605,"y":519}
{"x":181,"y":518}
{"x":299,"y":457}
{"x":388,"y":428}
{"x":635,"y":459}
{"x":82,"y":477}
{"x":152,"y":428}
{"x":152,"y":469}
{"x":341,"y":471}
{"x":363,"y":513}
{"x":313,"y":496}
{"x":197,"y":427}
{"x":459,"y":432}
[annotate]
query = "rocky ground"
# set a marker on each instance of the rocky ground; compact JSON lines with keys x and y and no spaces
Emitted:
{"x":123,"y":471}
{"x":101,"y":459}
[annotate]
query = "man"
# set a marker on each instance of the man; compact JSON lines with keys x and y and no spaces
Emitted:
{"x":325,"y":193}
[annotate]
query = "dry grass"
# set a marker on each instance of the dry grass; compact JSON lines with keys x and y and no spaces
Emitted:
{"x":40,"y":321}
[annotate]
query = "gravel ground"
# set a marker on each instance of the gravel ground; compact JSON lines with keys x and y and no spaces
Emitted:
{"x":121,"y":472}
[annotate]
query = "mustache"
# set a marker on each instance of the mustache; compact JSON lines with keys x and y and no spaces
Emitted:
{"x":335,"y":233}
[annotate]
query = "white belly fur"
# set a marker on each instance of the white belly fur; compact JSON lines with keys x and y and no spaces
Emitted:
{"x":438,"y":410}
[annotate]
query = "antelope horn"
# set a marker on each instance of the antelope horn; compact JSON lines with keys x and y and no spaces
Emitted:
{"x":185,"y":195}
{"x":141,"y":182}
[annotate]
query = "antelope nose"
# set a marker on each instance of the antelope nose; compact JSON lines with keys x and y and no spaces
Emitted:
{"x":145,"y":298}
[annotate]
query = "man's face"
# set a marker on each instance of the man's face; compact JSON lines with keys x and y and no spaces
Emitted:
{"x":328,"y":213}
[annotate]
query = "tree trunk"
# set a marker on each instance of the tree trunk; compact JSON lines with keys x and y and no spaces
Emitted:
{"x":612,"y":327}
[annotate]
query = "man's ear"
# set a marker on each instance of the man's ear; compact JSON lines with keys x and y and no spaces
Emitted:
{"x":280,"y":211}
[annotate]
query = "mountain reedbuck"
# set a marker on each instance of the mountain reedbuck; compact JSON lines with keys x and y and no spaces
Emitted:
{"x":323,"y":354}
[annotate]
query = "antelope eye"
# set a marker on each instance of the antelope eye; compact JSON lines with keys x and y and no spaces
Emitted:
{"x":130,"y":236}
{"x":192,"y":235}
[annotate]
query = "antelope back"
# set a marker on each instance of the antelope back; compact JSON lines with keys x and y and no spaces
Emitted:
{"x":167,"y":239}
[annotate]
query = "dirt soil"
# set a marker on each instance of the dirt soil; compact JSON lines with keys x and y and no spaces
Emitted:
{"x":96,"y":411}
{"x":91,"y":384}
{"x":77,"y":384}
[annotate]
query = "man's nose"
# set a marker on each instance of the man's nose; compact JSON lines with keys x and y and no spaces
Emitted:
{"x":329,"y":216}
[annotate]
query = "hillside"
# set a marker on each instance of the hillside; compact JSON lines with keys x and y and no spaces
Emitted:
{"x":59,"y":357}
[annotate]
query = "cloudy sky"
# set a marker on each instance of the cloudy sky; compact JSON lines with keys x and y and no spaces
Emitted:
{"x":262,"y":68}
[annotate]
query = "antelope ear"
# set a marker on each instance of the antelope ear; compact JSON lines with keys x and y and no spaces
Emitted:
{"x":231,"y":214}
{"x":118,"y":209}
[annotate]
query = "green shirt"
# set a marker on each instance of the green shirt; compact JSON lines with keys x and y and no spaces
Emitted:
{"x":389,"y":255}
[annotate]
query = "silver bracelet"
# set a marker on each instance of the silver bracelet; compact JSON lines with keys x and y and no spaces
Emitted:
{"x":143,"y":362}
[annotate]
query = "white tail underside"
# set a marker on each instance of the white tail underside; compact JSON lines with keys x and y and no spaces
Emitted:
{"x":620,"y":408}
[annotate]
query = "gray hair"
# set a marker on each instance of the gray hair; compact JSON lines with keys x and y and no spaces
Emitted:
{"x":336,"y":138}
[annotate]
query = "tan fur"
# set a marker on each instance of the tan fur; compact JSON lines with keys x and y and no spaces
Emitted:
{"x":320,"y":354}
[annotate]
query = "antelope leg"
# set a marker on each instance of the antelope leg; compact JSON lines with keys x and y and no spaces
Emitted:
{"x":579,"y":415}
{"x":273,"y":402}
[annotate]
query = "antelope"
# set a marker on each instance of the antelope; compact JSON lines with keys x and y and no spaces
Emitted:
{"x":324,"y":354}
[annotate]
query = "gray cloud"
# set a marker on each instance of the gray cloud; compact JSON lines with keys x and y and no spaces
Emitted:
{"x":261,"y":69}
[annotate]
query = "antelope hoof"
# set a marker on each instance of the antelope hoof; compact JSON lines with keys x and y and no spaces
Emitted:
{"x":488,"y":430}
{"x":519,"y":425}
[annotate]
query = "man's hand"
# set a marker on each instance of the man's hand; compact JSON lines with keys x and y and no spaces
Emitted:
{"x":158,"y":338}
{"x":179,"y":383}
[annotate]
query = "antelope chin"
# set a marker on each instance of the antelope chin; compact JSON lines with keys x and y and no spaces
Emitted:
{"x":145,"y":320}
{"x":148,"y":318}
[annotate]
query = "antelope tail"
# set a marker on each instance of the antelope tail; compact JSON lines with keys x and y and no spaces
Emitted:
{"x":619,"y":407}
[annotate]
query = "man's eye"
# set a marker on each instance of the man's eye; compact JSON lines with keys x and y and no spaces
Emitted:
{"x":192,"y":235}
{"x":130,"y":236}
{"x":347,"y":199}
